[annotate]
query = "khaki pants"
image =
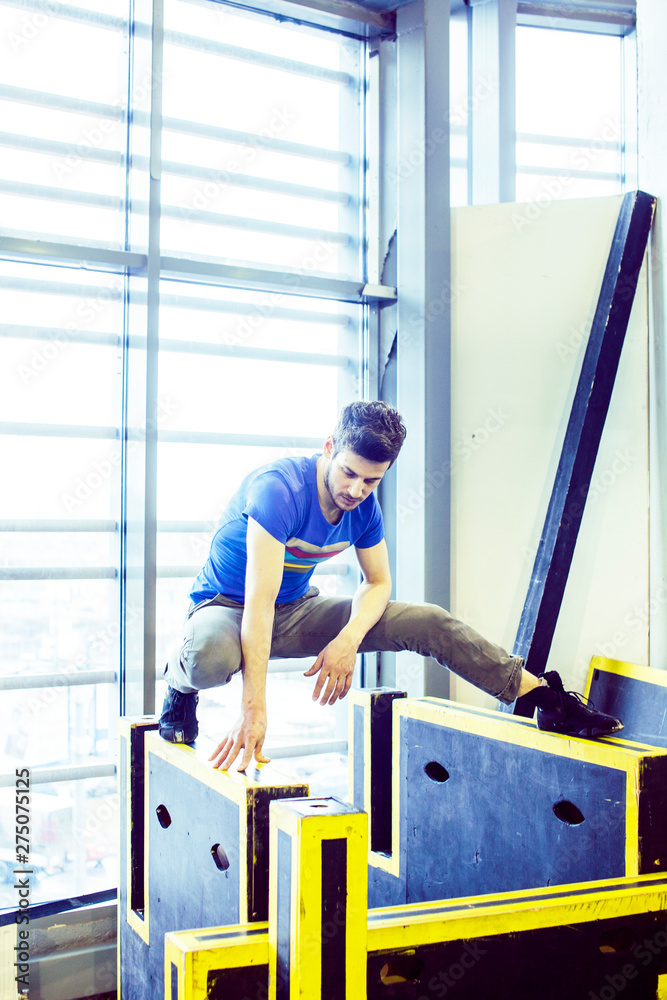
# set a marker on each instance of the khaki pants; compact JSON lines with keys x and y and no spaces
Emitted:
{"x":211,"y":649}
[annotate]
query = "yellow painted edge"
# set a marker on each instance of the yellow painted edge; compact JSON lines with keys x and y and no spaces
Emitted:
{"x":138,"y":925}
{"x":186,"y":941}
{"x":172,"y":954}
{"x":243,"y":861}
{"x":126,"y":723}
{"x":146,"y":922}
{"x":306,"y":957}
{"x":632,"y":821}
{"x":284,"y":818}
{"x":367,"y":761}
{"x":357,"y":696}
{"x":510,"y":918}
{"x":233,"y":786}
{"x":273,"y":901}
{"x":625,"y":669}
{"x":307,"y":833}
{"x":619,"y":883}
{"x":392,"y":865}
{"x":387,"y":862}
{"x":232,"y":955}
{"x":661,"y":993}
{"x":320,"y":827}
{"x":195,"y":959}
{"x":287,"y":821}
{"x":356,"y":936}
{"x":350,"y":745}
{"x":188,"y":986}
{"x":451,"y":716}
{"x":360,"y":696}
{"x":306,"y":912}
{"x":509,"y":915}
{"x":230,"y":784}
{"x":134,"y":921}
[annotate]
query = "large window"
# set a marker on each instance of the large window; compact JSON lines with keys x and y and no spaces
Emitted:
{"x":182,"y":273}
{"x":569,"y":114}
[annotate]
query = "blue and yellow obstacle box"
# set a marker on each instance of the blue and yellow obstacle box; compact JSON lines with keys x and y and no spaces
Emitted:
{"x":633,"y":693}
{"x":526,"y":809}
{"x":194,"y":848}
{"x":586,"y":941}
{"x":486,"y":803}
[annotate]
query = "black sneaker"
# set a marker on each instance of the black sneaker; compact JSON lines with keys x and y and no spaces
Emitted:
{"x":178,"y":722}
{"x":566,"y":712}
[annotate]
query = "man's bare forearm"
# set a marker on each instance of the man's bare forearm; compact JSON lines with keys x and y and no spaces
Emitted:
{"x":256,"y":632}
{"x":368,"y":605}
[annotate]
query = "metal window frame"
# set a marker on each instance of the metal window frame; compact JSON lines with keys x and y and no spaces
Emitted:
{"x":154,"y":267}
{"x":492,"y":136}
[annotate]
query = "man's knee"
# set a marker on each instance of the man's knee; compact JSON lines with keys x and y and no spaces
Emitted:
{"x":429,"y":616}
{"x":417,"y":627}
{"x":210,"y":664}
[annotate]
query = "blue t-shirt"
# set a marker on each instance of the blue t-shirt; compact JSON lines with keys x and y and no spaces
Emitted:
{"x":282,"y":497}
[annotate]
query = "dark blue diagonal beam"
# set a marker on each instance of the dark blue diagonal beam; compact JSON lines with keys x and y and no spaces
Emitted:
{"x":584,"y":430}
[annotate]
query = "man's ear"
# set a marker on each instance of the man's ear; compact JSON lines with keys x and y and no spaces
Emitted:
{"x":328,"y":448}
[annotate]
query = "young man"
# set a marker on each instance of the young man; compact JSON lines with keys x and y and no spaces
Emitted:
{"x":253,"y":601}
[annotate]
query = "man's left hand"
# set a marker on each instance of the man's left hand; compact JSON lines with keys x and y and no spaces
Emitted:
{"x":335,"y":665}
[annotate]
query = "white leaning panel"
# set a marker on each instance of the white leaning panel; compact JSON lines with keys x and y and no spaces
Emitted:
{"x":525,"y":282}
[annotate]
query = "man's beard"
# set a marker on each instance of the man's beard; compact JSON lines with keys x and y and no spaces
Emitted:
{"x":327,"y":483}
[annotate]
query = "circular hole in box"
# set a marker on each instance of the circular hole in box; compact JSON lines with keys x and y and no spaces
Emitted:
{"x":220,"y":858}
{"x":617,"y":940}
{"x":401,"y":969}
{"x":163,"y":817}
{"x":568,"y":813}
{"x":436,"y":772}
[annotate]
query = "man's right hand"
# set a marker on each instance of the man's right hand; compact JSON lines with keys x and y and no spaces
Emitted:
{"x":248,"y":735}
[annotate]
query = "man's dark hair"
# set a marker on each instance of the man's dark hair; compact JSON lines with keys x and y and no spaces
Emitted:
{"x":372,"y":429}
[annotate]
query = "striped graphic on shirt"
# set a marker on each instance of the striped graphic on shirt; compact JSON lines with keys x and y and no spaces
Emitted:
{"x":302,"y":557}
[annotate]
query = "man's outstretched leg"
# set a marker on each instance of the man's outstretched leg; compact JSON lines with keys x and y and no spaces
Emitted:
{"x":561,"y":711}
{"x":429,"y":630}
{"x":432,"y":631}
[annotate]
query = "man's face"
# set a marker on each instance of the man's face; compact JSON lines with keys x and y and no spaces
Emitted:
{"x":349,"y":478}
